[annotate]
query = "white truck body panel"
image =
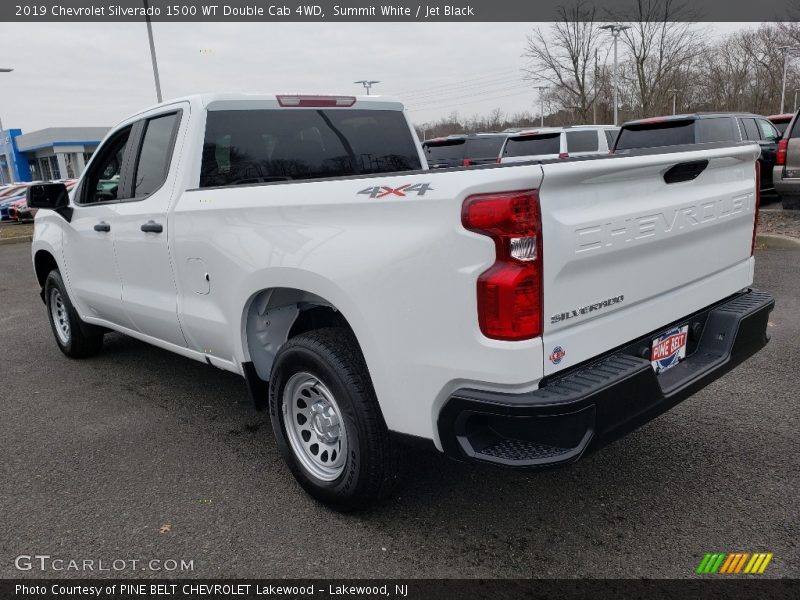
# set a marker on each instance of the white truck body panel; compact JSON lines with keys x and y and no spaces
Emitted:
{"x":403,"y":271}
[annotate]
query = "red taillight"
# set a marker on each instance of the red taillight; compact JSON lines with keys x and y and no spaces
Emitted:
{"x":467,"y":162}
{"x":780,"y":157}
{"x":758,"y":205}
{"x":510,"y":291}
{"x":563,"y":155}
{"x":316,"y":101}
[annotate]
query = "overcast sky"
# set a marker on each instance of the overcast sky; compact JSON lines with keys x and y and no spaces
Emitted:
{"x":98,"y":73}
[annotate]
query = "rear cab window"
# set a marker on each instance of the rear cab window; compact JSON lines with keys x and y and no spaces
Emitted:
{"x":484,"y":146}
{"x":271,"y":145}
{"x":656,"y":133}
{"x":445,"y":150}
{"x":534,"y":144}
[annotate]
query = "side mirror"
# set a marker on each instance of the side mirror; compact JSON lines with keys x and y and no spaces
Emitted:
{"x":53,"y":196}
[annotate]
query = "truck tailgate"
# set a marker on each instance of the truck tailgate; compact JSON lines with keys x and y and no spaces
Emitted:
{"x":625,"y":253}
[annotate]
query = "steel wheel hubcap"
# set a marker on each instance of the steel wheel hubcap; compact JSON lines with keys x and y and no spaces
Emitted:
{"x":58,"y":312}
{"x":314,"y":426}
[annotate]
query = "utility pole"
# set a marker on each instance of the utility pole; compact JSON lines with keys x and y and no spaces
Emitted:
{"x":152,"y":50}
{"x":615,"y":30}
{"x":367,"y":83}
{"x":541,"y":89}
{"x":596,"y":76}
{"x":787,"y":50}
{"x":3,"y":133}
{"x":674,"y":98}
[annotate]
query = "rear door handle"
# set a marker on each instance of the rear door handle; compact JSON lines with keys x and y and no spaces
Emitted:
{"x":102,"y":226}
{"x":152,"y":227}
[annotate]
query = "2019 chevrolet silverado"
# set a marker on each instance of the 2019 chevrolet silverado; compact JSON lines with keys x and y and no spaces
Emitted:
{"x":519,"y":315}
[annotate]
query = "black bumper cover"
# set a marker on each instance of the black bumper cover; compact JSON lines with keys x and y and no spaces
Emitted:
{"x":590,"y":405}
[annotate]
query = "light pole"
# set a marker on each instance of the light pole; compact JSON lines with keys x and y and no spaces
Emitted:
{"x":674,"y":98}
{"x":787,"y":50}
{"x":615,"y":30}
{"x":3,"y":133}
{"x":367,"y":83}
{"x":541,"y":89}
{"x":152,"y":50}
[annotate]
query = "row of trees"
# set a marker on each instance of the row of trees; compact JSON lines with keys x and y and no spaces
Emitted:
{"x":664,"y":57}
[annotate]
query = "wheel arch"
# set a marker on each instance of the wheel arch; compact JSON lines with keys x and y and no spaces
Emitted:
{"x":43,"y":262}
{"x":271,"y":317}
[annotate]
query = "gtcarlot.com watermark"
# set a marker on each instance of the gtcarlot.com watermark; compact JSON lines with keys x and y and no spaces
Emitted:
{"x":47,"y":563}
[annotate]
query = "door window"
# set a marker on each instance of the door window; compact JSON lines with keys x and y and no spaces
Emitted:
{"x":152,"y":164}
{"x":768,"y":131}
{"x":102,"y":182}
{"x":751,"y":129}
{"x":582,"y":141}
{"x":717,"y":129}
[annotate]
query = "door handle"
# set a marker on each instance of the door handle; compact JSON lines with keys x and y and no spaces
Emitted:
{"x":102,"y":226}
{"x":152,"y":227}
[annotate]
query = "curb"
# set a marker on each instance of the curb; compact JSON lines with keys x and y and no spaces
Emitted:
{"x":777,"y":240}
{"x":16,"y":240}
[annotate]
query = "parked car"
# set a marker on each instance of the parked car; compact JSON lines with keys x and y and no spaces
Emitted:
{"x":547,"y":143}
{"x":13,"y":209}
{"x":700,"y":128}
{"x":463,"y":150}
{"x":524,"y":315}
{"x":786,"y":173}
{"x":5,"y":204}
{"x":781,"y":122}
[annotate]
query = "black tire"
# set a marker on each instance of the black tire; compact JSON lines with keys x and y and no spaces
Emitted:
{"x":371,"y":469}
{"x":77,"y":340}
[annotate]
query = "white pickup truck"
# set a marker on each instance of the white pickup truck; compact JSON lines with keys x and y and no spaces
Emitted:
{"x":519,"y":315}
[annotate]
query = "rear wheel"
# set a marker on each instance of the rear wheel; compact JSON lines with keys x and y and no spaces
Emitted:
{"x":72,"y":335}
{"x":327,"y":421}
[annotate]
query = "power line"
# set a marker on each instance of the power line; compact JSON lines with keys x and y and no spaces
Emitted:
{"x":470,"y":98}
{"x":493,"y":74}
{"x":498,"y":81}
{"x":470,"y":102}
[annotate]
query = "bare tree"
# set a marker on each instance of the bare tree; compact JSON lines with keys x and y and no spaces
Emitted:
{"x":661,"y":44}
{"x":564,"y":54}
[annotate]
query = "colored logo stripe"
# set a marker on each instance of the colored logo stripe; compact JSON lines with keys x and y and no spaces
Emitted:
{"x":733,"y":563}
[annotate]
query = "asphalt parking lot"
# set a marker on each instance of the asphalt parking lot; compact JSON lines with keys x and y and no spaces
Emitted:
{"x":141,"y":454}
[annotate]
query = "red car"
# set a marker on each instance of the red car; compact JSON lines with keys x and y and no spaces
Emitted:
{"x":781,"y":122}
{"x":14,"y":208}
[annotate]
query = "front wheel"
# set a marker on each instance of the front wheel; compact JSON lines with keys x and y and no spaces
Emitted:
{"x":327,"y":421}
{"x":69,"y":331}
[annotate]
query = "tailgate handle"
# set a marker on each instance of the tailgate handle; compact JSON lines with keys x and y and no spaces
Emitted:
{"x":686,"y":171}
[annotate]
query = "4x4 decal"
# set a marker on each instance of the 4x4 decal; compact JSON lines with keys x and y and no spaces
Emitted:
{"x":381,"y":191}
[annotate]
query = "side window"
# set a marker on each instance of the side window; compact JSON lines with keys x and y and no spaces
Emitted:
{"x":768,"y":131}
{"x":582,"y":141}
{"x":750,"y":129}
{"x":101,"y":183}
{"x":611,"y":136}
{"x":154,"y":155}
{"x":720,"y":129}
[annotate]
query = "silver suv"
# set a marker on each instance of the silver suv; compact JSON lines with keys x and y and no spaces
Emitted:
{"x":786,"y":172}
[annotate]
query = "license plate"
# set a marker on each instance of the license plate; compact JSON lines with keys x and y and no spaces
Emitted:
{"x":669,"y":348}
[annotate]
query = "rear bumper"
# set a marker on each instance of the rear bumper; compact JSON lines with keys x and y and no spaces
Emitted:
{"x":587,"y":407}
